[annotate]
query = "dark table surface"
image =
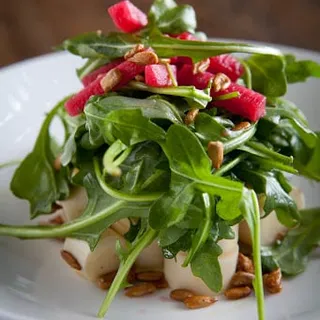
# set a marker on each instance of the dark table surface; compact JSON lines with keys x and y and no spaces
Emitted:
{"x":32,"y":27}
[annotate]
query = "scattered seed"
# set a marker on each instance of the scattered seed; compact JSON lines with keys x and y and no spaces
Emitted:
{"x":70,"y":260}
{"x":191,"y":116}
{"x":131,"y":277}
{"x":145,"y":58}
{"x":280,"y":236}
{"x":237,"y":293}
{"x":104,"y":282}
{"x":197,"y":302}
{"x":164,"y":61}
{"x":57,"y":163}
{"x":241,"y":279}
{"x":74,"y":172}
{"x":111,"y":79}
{"x":215,"y":151}
{"x":149,"y":276}
{"x":139,"y":78}
{"x":245,"y":264}
{"x":140,"y":289}
{"x":55,"y":207}
{"x":57,"y":220}
{"x":161,"y":284}
{"x":273,"y":281}
{"x":138,"y":48}
{"x":220,"y":82}
{"x":241,"y":126}
{"x":201,"y":66}
{"x":181,"y":294}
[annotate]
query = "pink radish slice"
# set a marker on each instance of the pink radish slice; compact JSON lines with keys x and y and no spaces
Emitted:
{"x":249,"y":104}
{"x":157,"y":75}
{"x":228,"y":65}
{"x":127,"y":17}
{"x":86,"y":80}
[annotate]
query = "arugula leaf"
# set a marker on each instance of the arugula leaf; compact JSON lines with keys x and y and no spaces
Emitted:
{"x":98,"y":108}
{"x":286,"y":109}
{"x":160,"y":7}
{"x":221,"y":230}
{"x":173,"y":205}
{"x":206,"y":266}
{"x":115,"y":45}
{"x":145,"y":169}
{"x":311,"y":168}
{"x":125,"y":265}
{"x":98,"y":202}
{"x":299,"y":71}
{"x":191,"y":161}
{"x":114,"y":156}
{"x":182,"y":244}
{"x":134,"y":230}
{"x":170,"y":235}
{"x":70,"y":147}
{"x":268,"y":76}
{"x":268,"y":262}
{"x":208,"y":128}
{"x":35,"y":179}
{"x":196,"y":98}
{"x":167,"y":47}
{"x":194,"y":214}
{"x":177,"y":20}
{"x":293,"y":252}
{"x":131,"y":127}
{"x":270,"y":184}
{"x":95,"y":45}
{"x":101,"y":212}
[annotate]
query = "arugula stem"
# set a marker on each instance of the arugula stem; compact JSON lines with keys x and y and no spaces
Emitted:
{"x":227,"y":96}
{"x":125,"y":267}
{"x":180,"y":91}
{"x":37,"y":232}
{"x":239,"y":140}
{"x":167,"y":47}
{"x":256,"y":251}
{"x":269,"y":153}
{"x":270,"y":165}
{"x":148,"y":197}
{"x":230,"y":165}
{"x":9,"y":164}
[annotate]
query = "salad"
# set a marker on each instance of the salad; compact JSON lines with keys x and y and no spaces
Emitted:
{"x":176,"y":163}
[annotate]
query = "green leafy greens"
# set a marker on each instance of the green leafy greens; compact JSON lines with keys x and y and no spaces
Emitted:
{"x":137,"y":159}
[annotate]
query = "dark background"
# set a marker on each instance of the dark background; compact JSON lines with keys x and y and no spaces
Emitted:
{"x":33,"y":27}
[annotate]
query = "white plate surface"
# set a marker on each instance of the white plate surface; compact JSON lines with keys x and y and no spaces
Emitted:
{"x":36,"y":284}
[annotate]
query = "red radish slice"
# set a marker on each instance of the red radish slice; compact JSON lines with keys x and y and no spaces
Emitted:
{"x":228,"y":65}
{"x":185,"y":75}
{"x":249,"y":104}
{"x":127,"y":17}
{"x":183,"y":60}
{"x":201,"y":80}
{"x":128,"y":70}
{"x":86,"y":80}
{"x":187,"y":78}
{"x":76,"y":103}
{"x":157,"y":75}
{"x":179,"y":61}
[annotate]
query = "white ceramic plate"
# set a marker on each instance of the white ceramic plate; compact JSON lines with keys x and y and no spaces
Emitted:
{"x":36,"y":284}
